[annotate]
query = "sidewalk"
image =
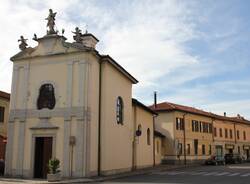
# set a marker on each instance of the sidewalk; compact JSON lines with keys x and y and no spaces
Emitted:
{"x":95,"y":179}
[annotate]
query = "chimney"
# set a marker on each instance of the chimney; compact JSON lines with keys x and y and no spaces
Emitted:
{"x":225,"y":114}
{"x":89,"y":40}
{"x":155,"y":99}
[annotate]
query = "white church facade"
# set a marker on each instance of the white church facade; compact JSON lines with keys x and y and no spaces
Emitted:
{"x":71,"y":103}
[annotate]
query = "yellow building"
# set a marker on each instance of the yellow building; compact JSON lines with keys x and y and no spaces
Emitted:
{"x":193,"y":135}
{"x":70,"y":102}
{"x":4,"y":116}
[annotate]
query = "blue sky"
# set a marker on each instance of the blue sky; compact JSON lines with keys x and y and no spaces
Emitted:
{"x":194,"y":53}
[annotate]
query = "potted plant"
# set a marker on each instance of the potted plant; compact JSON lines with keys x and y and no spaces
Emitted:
{"x":54,"y":172}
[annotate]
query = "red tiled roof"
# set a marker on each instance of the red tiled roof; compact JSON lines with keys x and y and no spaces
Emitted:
{"x":167,"y":106}
{"x":5,"y":95}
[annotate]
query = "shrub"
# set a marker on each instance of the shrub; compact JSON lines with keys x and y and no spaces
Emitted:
{"x":53,"y":166}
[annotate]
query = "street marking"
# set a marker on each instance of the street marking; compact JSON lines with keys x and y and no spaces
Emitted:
{"x":239,"y":167}
{"x":245,"y":175}
{"x":234,"y":174}
{"x":198,"y":173}
{"x":209,"y":174}
{"x":175,"y":173}
{"x":221,"y":174}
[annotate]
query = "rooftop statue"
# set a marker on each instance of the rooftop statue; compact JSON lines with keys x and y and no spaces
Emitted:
{"x":78,"y":35}
{"x":51,"y":22}
{"x":23,"y":45}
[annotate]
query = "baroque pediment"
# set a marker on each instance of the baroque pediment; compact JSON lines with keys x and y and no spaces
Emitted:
{"x":50,"y":45}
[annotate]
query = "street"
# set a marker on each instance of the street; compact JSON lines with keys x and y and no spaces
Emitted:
{"x":228,"y":174}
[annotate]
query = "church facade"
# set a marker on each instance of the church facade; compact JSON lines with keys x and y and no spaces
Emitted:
{"x":71,"y":103}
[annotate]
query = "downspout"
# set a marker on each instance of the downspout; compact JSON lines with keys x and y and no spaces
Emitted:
{"x":184,"y":142}
{"x":134,"y":140}
{"x":154,"y":116}
{"x":99,"y":119}
{"x":235,"y":134}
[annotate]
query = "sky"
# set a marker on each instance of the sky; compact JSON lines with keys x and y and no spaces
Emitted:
{"x":194,"y":53}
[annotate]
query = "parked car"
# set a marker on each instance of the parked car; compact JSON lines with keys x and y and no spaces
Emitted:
{"x":232,"y":158}
{"x":215,"y":160}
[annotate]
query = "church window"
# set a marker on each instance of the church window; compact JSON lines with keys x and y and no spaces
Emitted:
{"x":148,"y":136}
{"x":46,"y":98}
{"x":119,"y":110}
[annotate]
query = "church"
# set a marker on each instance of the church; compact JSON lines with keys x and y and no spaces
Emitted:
{"x":72,"y":103}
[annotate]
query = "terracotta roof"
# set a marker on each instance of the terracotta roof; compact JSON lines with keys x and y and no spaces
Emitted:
{"x":167,"y":106}
{"x":5,"y":95}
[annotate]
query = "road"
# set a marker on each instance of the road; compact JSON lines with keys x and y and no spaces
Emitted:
{"x":230,"y":174}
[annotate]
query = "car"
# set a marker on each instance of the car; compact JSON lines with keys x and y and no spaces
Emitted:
{"x":215,"y":160}
{"x":232,"y":158}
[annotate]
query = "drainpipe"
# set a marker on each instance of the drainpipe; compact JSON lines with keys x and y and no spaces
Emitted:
{"x":235,"y":139}
{"x":154,"y":116}
{"x":184,"y":136}
{"x":99,"y":119}
{"x":134,"y":153}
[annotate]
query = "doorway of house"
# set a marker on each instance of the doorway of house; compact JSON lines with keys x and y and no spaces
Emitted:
{"x":43,"y":152}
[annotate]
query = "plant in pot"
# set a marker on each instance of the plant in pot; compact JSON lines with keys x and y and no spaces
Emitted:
{"x":54,"y":172}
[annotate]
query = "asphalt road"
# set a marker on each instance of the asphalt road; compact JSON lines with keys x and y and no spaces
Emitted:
{"x":229,"y":174}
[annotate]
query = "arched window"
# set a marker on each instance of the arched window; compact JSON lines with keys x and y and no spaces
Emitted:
{"x":119,"y":110}
{"x":148,"y":136}
{"x":46,"y":98}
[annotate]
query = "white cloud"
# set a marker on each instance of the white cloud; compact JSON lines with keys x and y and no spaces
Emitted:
{"x":147,"y":37}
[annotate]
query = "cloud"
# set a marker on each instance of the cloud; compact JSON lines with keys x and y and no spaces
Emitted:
{"x":153,"y":40}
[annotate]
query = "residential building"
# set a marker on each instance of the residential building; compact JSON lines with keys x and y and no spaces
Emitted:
{"x":193,"y":135}
{"x":4,"y":116}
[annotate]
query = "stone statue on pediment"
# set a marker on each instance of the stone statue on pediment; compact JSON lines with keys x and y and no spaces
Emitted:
{"x":78,"y":35}
{"x":23,"y":45}
{"x":51,"y":22}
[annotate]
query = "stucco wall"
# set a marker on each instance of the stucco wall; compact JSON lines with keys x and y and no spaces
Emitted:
{"x":116,"y":139}
{"x":144,"y":151}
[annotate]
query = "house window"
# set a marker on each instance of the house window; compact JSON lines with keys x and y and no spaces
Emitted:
{"x":244,"y":135}
{"x":196,"y":146}
{"x":238,"y":134}
{"x":188,"y":149}
{"x":2,"y":114}
{"x":179,"y":124}
{"x":210,"y":128}
{"x":203,"y":149}
{"x":201,"y":126}
{"x":215,"y":132}
{"x":231,"y":133}
{"x":157,"y":147}
{"x":220,"y":132}
{"x":195,"y":126}
{"x":179,"y":149}
{"x":119,"y":110}
{"x":148,"y":136}
{"x":226,"y":134}
{"x":210,"y":149}
{"x":46,"y":98}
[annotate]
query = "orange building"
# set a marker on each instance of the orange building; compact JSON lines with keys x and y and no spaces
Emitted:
{"x":193,"y":135}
